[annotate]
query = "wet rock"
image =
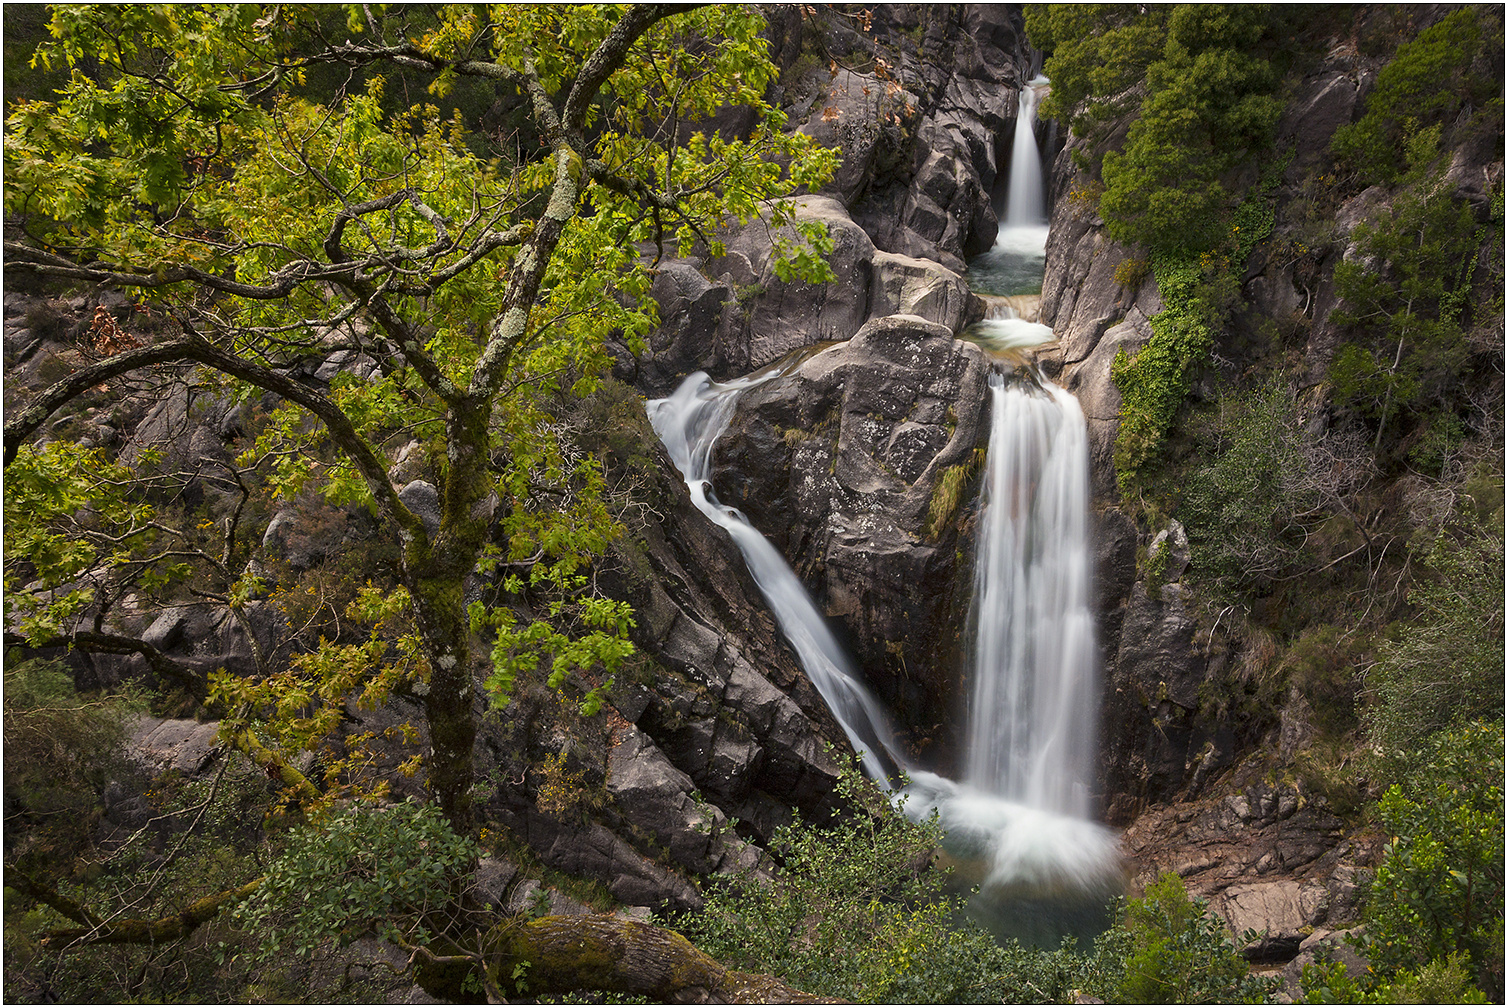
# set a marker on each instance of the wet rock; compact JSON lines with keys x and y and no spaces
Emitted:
{"x":907,"y":286}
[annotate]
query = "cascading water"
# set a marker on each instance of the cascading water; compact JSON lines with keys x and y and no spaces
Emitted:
{"x":1024,"y":206}
{"x":1043,"y":870}
{"x":1014,"y":265}
{"x":1031,"y":721}
{"x":689,"y":422}
{"x":1018,"y":823}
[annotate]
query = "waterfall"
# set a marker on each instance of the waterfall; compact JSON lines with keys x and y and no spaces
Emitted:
{"x":1024,"y":205}
{"x":1031,"y":721}
{"x":1018,"y":832}
{"x":1014,"y":265}
{"x":689,"y":422}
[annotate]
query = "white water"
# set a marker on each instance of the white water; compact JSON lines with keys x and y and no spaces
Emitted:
{"x":1003,"y":330}
{"x":1024,"y":204}
{"x":1019,"y":831}
{"x":689,"y":422}
{"x":1031,"y":722}
{"x":1018,"y":824}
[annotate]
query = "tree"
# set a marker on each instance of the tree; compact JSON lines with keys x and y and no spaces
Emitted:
{"x":269,"y":229}
{"x":1210,"y":105}
{"x":1407,"y":297}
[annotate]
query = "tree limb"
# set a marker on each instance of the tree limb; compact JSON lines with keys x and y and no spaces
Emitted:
{"x":148,"y":932}
{"x":627,"y":957}
{"x":108,"y":643}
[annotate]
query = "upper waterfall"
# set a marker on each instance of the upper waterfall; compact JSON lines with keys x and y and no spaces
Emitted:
{"x":1024,"y":205}
{"x":1014,"y":265}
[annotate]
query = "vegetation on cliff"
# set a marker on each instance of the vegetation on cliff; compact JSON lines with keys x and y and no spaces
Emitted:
{"x":1339,"y":472}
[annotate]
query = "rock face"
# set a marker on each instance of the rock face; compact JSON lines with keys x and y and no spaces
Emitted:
{"x":1269,"y":858}
{"x":913,"y":197}
{"x":841,"y":461}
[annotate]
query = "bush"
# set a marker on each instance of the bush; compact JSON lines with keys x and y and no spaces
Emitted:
{"x":364,"y":867}
{"x":1444,"y":667}
{"x":1210,"y":105}
{"x":1176,"y":953}
{"x":1426,"y":84}
{"x":856,"y":913}
{"x":1439,"y":891}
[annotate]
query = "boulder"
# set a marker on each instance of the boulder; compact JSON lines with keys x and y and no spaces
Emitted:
{"x":181,"y":745}
{"x":907,"y":286}
{"x":788,"y":316}
{"x":1282,"y":912}
{"x":840,"y":461}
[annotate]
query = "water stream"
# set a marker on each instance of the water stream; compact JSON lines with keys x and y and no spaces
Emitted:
{"x":1014,"y":265}
{"x":1018,"y":824}
{"x":689,"y":422}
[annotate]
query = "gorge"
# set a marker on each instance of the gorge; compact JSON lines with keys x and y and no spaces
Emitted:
{"x":1131,"y":493}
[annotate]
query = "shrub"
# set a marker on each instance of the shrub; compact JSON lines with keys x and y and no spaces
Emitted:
{"x":364,"y":867}
{"x":1176,"y":953}
{"x":1444,"y":667}
{"x":856,"y":913}
{"x":1439,"y":891}
{"x":1426,"y":84}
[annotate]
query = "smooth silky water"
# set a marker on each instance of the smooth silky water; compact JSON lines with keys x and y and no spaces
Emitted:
{"x":1014,"y":265}
{"x":1018,"y":825}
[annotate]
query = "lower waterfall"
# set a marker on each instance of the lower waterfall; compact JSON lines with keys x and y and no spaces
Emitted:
{"x":1017,"y":825}
{"x":1031,"y":731}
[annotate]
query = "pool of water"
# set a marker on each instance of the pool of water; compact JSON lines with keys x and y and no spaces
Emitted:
{"x":1014,"y":265}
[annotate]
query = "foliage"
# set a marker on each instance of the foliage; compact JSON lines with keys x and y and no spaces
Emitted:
{"x":1426,"y":84}
{"x":1198,"y":295}
{"x":1176,"y":953}
{"x":1444,"y":667}
{"x":1446,"y":981}
{"x":1209,"y":106}
{"x":1155,"y":380}
{"x":1439,"y":889}
{"x":481,"y":277}
{"x":1405,"y":296}
{"x":1098,"y":53}
{"x":1260,"y":502}
{"x":72,"y":528}
{"x":58,"y":749}
{"x":1434,"y":919}
{"x":363,"y":868}
{"x":857,"y":912}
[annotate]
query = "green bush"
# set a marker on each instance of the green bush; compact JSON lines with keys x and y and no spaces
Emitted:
{"x":364,"y":867}
{"x":1426,"y":84}
{"x":1441,"y":981}
{"x":856,"y":913}
{"x":1405,"y":299}
{"x":1243,"y":502}
{"x":1210,"y":106}
{"x":1439,"y":890}
{"x":1176,"y":953}
{"x":1443,"y":667}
